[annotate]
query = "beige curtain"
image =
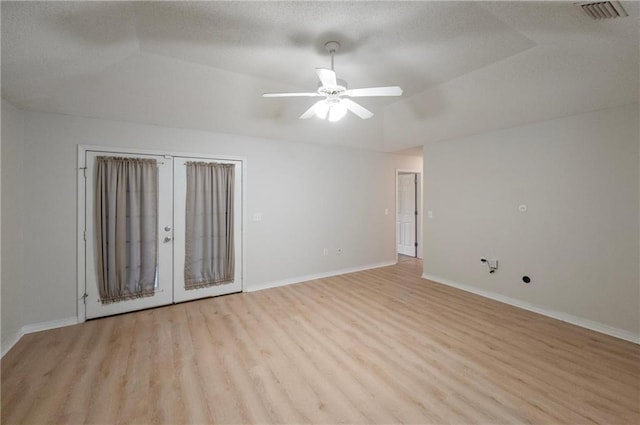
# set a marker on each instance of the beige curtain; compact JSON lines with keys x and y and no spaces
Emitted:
{"x":209,"y":250}
{"x":126,"y":219}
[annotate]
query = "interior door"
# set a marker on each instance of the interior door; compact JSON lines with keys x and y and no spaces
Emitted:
{"x":163,"y":293}
{"x":406,"y":214}
{"x":179,"y":291}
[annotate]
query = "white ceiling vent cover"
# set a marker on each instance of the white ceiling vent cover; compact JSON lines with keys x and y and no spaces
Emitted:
{"x":603,"y":9}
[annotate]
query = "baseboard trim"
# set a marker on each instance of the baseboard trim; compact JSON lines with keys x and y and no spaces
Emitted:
{"x":51,"y":324}
{"x":11,"y":341}
{"x":306,"y":278}
{"x":564,"y":317}
{"x":36,"y":327}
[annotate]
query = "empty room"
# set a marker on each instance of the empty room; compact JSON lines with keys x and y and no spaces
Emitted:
{"x":308,"y":212}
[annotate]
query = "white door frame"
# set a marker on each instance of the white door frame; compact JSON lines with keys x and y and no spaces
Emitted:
{"x":419,"y":224}
{"x":81,"y":182}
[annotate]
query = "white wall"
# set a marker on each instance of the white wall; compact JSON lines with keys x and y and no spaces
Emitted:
{"x":579,"y":239}
{"x":310,"y":197}
{"x":12,"y":212}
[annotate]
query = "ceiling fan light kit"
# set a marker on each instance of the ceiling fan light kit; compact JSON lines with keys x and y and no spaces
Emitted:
{"x":335,"y":104}
{"x":336,"y":111}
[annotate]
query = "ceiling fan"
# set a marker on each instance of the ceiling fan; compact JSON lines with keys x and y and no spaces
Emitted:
{"x":336,"y":100}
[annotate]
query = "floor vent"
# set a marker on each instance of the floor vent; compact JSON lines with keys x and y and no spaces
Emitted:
{"x":603,"y":9}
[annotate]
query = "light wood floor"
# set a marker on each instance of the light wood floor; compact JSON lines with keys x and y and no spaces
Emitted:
{"x":381,"y":346}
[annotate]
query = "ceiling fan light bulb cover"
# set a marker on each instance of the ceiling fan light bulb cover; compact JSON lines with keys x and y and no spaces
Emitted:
{"x":337,"y":112}
{"x":321,"y":110}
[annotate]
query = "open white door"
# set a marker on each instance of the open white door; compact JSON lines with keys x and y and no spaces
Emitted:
{"x":406,"y":221}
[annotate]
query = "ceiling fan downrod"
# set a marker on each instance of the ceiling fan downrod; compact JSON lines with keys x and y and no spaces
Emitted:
{"x":332,"y":47}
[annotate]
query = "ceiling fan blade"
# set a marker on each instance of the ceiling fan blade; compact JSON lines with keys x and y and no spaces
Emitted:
{"x":311,"y":111}
{"x":360,"y":111}
{"x":375,"y":91}
{"x":327,"y":77}
{"x":290,"y":94}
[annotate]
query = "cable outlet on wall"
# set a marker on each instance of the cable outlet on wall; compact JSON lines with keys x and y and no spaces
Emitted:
{"x":339,"y":251}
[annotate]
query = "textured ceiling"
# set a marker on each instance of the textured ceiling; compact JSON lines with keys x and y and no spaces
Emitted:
{"x":465,"y":67}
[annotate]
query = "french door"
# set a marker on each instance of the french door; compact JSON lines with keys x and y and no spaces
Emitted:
{"x":169,"y":285}
{"x":180,"y":293}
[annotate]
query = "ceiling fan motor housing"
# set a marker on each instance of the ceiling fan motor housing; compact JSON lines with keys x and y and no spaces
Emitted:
{"x":338,"y":90}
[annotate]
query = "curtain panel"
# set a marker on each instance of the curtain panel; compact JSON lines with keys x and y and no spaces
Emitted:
{"x":126,"y":218}
{"x":209,"y":250}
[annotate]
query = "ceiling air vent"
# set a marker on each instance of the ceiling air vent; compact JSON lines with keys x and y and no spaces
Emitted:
{"x":603,"y":9}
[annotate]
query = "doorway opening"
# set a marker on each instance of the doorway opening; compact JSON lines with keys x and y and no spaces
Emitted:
{"x":408,"y":214}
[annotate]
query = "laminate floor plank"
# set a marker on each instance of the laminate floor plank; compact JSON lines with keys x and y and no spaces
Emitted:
{"x":378,"y":346}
